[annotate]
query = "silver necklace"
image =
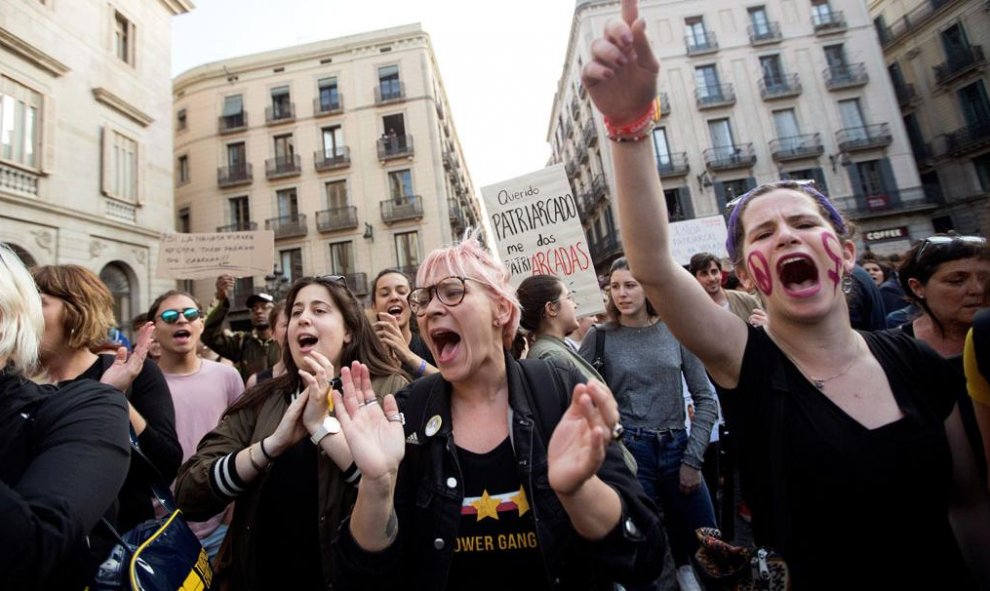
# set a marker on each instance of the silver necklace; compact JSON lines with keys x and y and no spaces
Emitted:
{"x":819,"y":383}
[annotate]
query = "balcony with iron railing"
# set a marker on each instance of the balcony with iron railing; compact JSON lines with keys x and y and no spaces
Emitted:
{"x":589,"y":137}
{"x":673,"y":165}
{"x":778,"y":87}
{"x":912,"y":21}
{"x":395,"y":146}
{"x":729,"y":157}
{"x":390,"y":91}
{"x":906,"y":94}
{"x":599,"y":188}
{"x":287,"y":226}
{"x":701,"y":43}
{"x":575,"y":107}
{"x":570,"y":168}
{"x":399,"y":209}
{"x":768,"y":32}
{"x":280,"y":113}
{"x":796,"y":147}
{"x":239,"y":227}
{"x":456,"y":216}
{"x":889,"y":202}
{"x":867,"y":137}
{"x":833,"y":21}
{"x":845,"y":76}
{"x":237,"y":174}
{"x":337,"y":218}
{"x":232,"y":123}
{"x":283,"y":166}
{"x":357,"y":283}
{"x":582,"y":154}
{"x":969,"y":139}
{"x":959,"y":63}
{"x":605,"y":248}
{"x":328,"y":105}
{"x":586,"y":205}
{"x":715,"y":96}
{"x":332,"y":158}
{"x":664,"y":104}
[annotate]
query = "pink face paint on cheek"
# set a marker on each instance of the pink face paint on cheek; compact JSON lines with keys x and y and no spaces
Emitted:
{"x":759,"y":268}
{"x":834,"y":274}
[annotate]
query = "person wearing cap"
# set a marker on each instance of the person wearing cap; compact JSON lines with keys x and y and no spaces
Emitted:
{"x":251,"y":351}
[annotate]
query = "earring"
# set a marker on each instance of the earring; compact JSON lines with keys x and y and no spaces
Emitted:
{"x":847,"y":283}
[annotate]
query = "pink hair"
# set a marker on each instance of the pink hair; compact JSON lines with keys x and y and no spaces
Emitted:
{"x":469,"y":259}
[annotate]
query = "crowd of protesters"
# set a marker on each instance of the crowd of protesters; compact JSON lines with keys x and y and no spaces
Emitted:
{"x":400,"y":442}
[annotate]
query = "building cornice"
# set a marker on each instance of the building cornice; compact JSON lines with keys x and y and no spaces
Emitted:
{"x":123,"y":107}
{"x":104,"y":223}
{"x":177,"y":7}
{"x":32,"y":54}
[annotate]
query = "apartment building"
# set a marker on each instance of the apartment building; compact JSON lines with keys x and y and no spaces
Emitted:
{"x":750,"y":93}
{"x":934,"y":54}
{"x":344,"y":148}
{"x":86,"y":138}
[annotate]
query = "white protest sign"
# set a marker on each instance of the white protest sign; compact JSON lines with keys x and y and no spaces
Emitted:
{"x":698,"y":235}
{"x":203,"y":256}
{"x":538,"y":232}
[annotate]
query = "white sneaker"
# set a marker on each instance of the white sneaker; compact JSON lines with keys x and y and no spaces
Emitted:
{"x":686,"y":579}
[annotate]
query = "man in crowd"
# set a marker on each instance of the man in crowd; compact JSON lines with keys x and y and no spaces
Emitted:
{"x":707,"y":269}
{"x":251,"y":351}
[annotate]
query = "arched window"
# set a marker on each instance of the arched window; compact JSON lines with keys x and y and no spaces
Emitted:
{"x":116,"y":279}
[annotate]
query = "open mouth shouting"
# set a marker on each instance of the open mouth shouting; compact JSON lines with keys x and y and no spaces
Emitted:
{"x":447,"y":344}
{"x":307,"y":343}
{"x":182,"y":337}
{"x":798,"y":275}
{"x":396,"y":311}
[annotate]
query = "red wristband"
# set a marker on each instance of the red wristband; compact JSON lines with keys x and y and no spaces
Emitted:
{"x":638,"y":129}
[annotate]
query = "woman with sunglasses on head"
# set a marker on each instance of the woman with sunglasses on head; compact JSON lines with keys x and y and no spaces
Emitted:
{"x":280,"y":455}
{"x":843,"y":436}
{"x":501,"y":479}
{"x":390,"y":303}
{"x":78,"y":310}
{"x":202,"y":390}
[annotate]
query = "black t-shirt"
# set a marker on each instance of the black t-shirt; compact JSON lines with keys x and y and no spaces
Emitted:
{"x":848,"y":499}
{"x":496,"y":545}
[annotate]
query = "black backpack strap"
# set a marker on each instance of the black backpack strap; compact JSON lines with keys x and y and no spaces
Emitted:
{"x":599,"y":361}
{"x":549,"y":407}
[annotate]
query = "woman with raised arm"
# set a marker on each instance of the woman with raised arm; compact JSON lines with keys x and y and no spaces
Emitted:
{"x":844,"y":436}
{"x":501,"y":479}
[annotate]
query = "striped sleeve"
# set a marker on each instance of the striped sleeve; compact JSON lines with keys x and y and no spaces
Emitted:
{"x":224,"y":478}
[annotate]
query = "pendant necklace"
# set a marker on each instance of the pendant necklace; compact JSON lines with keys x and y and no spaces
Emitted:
{"x":819,"y":383}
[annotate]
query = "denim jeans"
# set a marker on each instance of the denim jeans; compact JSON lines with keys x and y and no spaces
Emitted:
{"x":658,"y":455}
{"x":211,"y":543}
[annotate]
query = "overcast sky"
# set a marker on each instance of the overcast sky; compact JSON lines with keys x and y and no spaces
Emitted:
{"x":500,"y":60}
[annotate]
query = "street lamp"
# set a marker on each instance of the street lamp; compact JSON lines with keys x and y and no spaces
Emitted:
{"x":276,"y":283}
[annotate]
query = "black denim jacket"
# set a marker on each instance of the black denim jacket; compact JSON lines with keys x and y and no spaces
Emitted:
{"x":429,"y":494}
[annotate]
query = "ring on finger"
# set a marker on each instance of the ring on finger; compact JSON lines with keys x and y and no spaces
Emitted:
{"x":617,"y":431}
{"x":397,"y":418}
{"x":370,"y":402}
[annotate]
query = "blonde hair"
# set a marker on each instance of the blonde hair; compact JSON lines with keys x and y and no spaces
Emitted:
{"x":21,"y":320}
{"x":470,"y":259}
{"x":88,"y":303}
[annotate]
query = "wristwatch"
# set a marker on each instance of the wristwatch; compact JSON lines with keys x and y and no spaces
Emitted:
{"x":330,"y":426}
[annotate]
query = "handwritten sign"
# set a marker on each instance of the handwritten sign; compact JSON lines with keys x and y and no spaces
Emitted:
{"x":538,"y":232}
{"x":202,"y":256}
{"x":699,"y":235}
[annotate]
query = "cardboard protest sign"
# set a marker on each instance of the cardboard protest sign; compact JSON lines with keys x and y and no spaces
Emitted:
{"x":202,"y":256}
{"x":538,"y":232}
{"x":698,"y":235}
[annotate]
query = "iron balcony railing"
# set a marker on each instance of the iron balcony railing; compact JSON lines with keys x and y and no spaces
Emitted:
{"x":716,"y":95}
{"x":599,"y":188}
{"x":958,"y":63}
{"x":701,"y":43}
{"x":287,"y":226}
{"x":232,"y":123}
{"x":395,"y":146}
{"x":357,"y":283}
{"x":570,"y":167}
{"x":796,"y":147}
{"x":672,"y":165}
{"x":398,"y":209}
{"x":777,"y":87}
{"x":906,"y":94}
{"x":845,"y":76}
{"x":332,"y":158}
{"x":832,"y":21}
{"x":328,"y":105}
{"x":388,"y":91}
{"x":280,"y":112}
{"x":912,"y":21}
{"x":765,"y":33}
{"x":337,"y":218}
{"x":866,"y":137}
{"x":604,"y":248}
{"x":239,"y":227}
{"x":885,"y":202}
{"x":589,"y":136}
{"x":729,"y":157}
{"x":283,"y":166}
{"x":237,"y":174}
{"x":968,"y":139}
{"x":586,"y":204}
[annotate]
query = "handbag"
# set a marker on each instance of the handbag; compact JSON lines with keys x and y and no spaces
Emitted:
{"x":160,"y":554}
{"x":725,"y":567}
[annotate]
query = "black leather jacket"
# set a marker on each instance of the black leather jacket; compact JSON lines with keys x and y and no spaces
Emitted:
{"x":429,"y":494}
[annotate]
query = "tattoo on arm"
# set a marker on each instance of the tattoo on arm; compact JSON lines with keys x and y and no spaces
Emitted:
{"x":392,"y":526}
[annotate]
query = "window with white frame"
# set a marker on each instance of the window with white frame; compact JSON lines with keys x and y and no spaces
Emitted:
{"x":20,"y":123}
{"x":120,"y":166}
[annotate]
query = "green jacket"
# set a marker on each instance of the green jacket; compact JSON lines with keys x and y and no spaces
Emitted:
{"x":251,"y":353}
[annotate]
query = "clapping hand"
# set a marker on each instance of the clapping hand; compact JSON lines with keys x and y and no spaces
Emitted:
{"x":622,"y":75}
{"x":316,"y":376}
{"x":125,"y":369}
{"x":577,"y":446}
{"x":374,"y":431}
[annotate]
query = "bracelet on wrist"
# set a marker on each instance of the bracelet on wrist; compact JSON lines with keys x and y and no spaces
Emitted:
{"x":254,"y":463}
{"x":264,"y":451}
{"x":639,"y":129}
{"x":422,"y":368}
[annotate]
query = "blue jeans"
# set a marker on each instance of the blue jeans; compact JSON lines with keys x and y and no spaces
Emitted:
{"x":658,"y":455}
{"x":211,"y":543}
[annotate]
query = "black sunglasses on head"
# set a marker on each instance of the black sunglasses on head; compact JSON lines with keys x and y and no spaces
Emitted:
{"x":171,"y":316}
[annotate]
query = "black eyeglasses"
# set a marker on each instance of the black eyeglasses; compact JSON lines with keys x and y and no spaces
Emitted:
{"x":942,"y":240}
{"x":449,"y":290}
{"x":171,"y":316}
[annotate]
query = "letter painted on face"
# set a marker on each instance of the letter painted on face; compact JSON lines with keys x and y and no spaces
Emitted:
{"x":834,"y":274}
{"x":759,"y":268}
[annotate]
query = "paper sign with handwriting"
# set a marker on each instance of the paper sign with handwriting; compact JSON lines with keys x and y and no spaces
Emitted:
{"x":699,"y":235}
{"x":202,"y":256}
{"x":538,"y":232}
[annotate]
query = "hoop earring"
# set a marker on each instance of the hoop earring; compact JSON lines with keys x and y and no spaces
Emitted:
{"x":847,"y":283}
